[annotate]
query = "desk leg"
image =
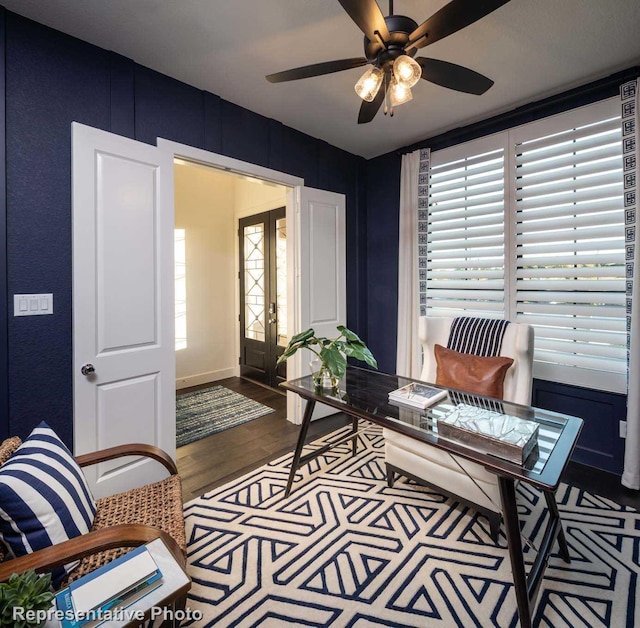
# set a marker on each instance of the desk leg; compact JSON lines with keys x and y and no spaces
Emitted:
{"x":295,"y":463}
{"x":514,"y":543}
{"x":555,"y":515}
{"x":354,"y":429}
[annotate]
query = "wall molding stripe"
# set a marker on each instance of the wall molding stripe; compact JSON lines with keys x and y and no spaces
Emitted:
{"x":4,"y":329}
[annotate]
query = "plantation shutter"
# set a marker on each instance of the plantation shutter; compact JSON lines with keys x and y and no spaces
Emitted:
{"x":465,"y":240}
{"x":569,"y":245}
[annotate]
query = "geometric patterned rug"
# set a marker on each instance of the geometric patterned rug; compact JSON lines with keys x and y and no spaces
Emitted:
{"x":346,"y":550}
{"x":211,"y":410}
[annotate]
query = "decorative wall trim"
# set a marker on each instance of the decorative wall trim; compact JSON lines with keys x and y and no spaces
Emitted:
{"x":423,"y":226}
{"x":629,"y":135}
{"x":629,"y":104}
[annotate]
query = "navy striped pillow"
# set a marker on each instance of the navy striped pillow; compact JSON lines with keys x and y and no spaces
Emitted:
{"x":44,"y":497}
{"x":477,"y":336}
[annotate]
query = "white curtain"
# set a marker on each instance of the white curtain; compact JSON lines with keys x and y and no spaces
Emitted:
{"x":408,"y":357}
{"x":630,"y":127}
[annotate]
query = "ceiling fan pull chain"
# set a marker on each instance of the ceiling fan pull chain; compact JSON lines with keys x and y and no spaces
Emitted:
{"x":386,"y":95}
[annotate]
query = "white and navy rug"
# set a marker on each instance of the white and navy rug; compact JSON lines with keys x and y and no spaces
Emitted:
{"x":211,"y":410}
{"x":346,"y":550}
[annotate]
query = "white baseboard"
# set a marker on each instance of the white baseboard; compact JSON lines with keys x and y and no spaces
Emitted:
{"x":205,"y":378}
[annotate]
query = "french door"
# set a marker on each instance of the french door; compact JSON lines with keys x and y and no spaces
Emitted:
{"x":263,"y":296}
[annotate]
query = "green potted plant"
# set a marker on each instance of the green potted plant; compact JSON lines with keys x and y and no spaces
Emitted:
{"x":27,"y":591}
{"x":331,"y":362}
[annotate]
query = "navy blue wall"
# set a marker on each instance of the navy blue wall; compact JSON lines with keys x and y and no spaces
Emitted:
{"x":599,"y":444}
{"x":383,"y":207}
{"x":53,"y":79}
{"x":4,"y":332}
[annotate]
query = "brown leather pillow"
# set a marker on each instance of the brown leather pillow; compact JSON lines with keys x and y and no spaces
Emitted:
{"x":471,"y":373}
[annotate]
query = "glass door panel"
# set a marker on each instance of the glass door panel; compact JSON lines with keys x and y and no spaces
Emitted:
{"x":281,"y":282}
{"x":254,"y":289}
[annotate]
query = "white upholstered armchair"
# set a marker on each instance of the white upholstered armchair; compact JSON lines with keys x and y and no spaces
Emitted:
{"x":463,"y":480}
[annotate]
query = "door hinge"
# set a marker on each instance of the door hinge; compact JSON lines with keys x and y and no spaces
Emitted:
{"x":240,"y":361}
{"x":238,"y":317}
{"x":623,"y":429}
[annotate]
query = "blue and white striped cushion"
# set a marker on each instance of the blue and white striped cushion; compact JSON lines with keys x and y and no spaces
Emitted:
{"x":44,"y":497}
{"x":478,"y":336}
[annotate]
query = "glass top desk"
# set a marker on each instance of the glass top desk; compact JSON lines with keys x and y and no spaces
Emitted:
{"x":363,"y":394}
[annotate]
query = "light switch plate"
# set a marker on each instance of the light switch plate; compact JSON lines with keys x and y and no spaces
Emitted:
{"x":32,"y":304}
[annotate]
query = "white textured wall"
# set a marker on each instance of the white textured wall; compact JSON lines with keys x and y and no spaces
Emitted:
{"x":204,"y":206}
{"x":255,"y":198}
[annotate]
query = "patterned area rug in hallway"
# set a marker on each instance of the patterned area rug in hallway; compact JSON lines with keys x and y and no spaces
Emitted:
{"x":211,"y":410}
{"x":346,"y":550}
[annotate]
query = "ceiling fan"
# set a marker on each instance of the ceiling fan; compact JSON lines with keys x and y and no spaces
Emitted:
{"x":390,"y":43}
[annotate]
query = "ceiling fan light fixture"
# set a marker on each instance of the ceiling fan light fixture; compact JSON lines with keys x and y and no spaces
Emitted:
{"x":399,"y":93}
{"x":369,"y":83}
{"x":407,"y":71}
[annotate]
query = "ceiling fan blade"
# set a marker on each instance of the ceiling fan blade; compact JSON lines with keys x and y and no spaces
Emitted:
{"x":317,"y":69}
{"x":368,"y":17}
{"x":368,"y":110}
{"x":453,"y":76}
{"x":451,"y":18}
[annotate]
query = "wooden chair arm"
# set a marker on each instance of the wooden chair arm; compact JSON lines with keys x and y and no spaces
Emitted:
{"x":123,"y":535}
{"x":133,"y":449}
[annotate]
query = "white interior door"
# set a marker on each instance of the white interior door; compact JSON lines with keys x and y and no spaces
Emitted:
{"x":318,"y":282}
{"x":123,"y":303}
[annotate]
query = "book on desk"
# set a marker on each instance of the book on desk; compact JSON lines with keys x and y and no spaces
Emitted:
{"x":417,"y":395}
{"x":113,"y":586}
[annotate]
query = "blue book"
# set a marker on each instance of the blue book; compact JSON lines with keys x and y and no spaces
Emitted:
{"x":122,"y":582}
{"x":135,"y":594}
{"x":64,"y":603}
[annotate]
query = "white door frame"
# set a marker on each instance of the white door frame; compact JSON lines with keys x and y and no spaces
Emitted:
{"x":236,"y":166}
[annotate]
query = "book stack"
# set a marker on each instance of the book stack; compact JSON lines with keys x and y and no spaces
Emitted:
{"x":417,"y":395}
{"x":96,"y":597}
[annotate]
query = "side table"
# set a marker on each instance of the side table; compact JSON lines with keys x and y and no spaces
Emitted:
{"x":161,"y":607}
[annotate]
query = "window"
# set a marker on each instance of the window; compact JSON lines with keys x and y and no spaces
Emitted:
{"x":466,"y":252}
{"x":529,"y":225}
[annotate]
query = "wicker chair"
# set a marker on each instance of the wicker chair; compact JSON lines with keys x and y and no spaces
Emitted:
{"x":122,"y":521}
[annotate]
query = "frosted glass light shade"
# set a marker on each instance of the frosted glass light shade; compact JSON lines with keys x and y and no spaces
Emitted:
{"x":369,"y":83}
{"x":399,"y":93}
{"x":406,"y":71}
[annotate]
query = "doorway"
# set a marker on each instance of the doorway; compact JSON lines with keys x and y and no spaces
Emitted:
{"x":316,"y":249}
{"x":123,"y":294}
{"x":210,"y":206}
{"x":262,"y":244}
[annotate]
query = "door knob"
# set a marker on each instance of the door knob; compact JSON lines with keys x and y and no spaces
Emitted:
{"x":87,"y":369}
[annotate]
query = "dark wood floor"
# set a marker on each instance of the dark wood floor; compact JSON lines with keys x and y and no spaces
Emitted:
{"x":220,"y":458}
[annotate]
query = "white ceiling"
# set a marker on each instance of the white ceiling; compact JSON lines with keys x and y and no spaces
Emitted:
{"x":531,"y":48}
